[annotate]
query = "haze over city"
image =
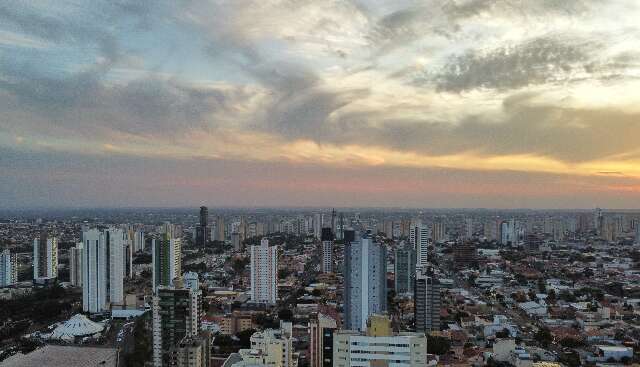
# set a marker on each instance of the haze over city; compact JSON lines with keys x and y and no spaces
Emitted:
{"x":498,"y":104}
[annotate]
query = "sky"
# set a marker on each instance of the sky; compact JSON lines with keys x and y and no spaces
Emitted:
{"x":368,"y":103}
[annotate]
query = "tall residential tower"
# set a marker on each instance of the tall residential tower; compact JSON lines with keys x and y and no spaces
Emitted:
{"x":365,"y":281}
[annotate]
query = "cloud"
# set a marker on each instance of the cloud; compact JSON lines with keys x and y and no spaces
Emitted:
{"x":546,"y":86}
{"x":539,"y":61}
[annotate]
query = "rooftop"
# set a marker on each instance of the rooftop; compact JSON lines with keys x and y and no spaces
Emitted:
{"x":64,"y":356}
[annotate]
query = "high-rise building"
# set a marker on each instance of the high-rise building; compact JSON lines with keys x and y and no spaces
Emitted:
{"x":115,"y":238}
{"x":327,"y":250}
{"x":464,"y":256}
{"x":598,"y":221}
{"x":202,"y":230}
{"x":8,"y":268}
{"x":166,"y":259}
{"x":321,"y":329}
{"x":468,"y":228}
{"x":264,"y":273}
{"x":511,"y":232}
{"x":220,"y":229}
{"x":365,"y":281}
{"x":45,"y":256}
{"x":427,"y":303}
{"x":438,"y":232}
{"x":177,"y":312}
{"x":405,"y":268}
{"x":75,"y":265}
{"x":637,"y":234}
{"x":235,"y":242}
{"x":127,"y":253}
{"x":317,"y":225}
{"x":139,"y":241}
{"x":379,"y":346}
{"x":419,"y":238}
{"x":102,"y":269}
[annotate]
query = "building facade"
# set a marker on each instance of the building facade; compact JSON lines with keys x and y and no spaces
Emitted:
{"x":405,"y":269}
{"x":102,"y":269}
{"x":427,"y":303}
{"x":8,"y":268}
{"x":45,"y":256}
{"x":264,"y":273}
{"x":419,"y":238}
{"x":321,"y":330}
{"x":177,"y":312}
{"x":327,"y":250}
{"x":75,"y":265}
{"x":139,"y":241}
{"x":379,"y":347}
{"x":365,"y":281}
{"x":203,"y":230}
{"x":166,"y":260}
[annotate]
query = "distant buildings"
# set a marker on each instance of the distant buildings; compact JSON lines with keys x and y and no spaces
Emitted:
{"x":317,"y":226}
{"x":438,"y":232}
{"x":176,"y":315}
{"x":511,"y":232}
{"x":166,"y":259}
{"x":327,"y":250}
{"x":45,"y":256}
{"x":8,"y":268}
{"x":203,"y":230}
{"x":405,"y":269}
{"x":427,"y":303}
{"x":75,"y":265}
{"x":139,"y":241}
{"x":468,"y":228}
{"x":419,"y":238}
{"x":220,"y":229}
{"x":464,"y":255}
{"x":264,"y":273}
{"x":379,"y":346}
{"x":365,"y":281}
{"x":102,"y":269}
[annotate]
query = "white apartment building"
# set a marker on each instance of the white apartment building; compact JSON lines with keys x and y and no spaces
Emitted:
{"x":102,"y":269}
{"x":419,"y":238}
{"x":379,"y":347}
{"x":75,"y":265}
{"x":264,"y":273}
{"x":8,"y":269}
{"x":45,"y":256}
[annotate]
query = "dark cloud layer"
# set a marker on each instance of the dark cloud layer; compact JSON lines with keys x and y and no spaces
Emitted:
{"x":293,"y":95}
{"x":536,"y":62}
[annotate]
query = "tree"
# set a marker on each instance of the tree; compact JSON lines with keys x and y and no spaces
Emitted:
{"x":142,"y":344}
{"x":438,"y":345}
{"x":551,"y":296}
{"x":504,"y":333}
{"x":544,"y":337}
{"x":244,"y":338}
{"x":285,"y":314}
{"x":570,"y":342}
{"x":542,"y":287}
{"x":571,"y":359}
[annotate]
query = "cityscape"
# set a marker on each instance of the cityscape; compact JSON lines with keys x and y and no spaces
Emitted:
{"x":319,"y":287}
{"x":320,"y":183}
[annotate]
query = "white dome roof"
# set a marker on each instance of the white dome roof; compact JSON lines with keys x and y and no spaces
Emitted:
{"x":78,"y":325}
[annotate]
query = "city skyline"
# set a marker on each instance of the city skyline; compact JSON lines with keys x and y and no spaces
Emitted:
{"x":457,"y":104}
